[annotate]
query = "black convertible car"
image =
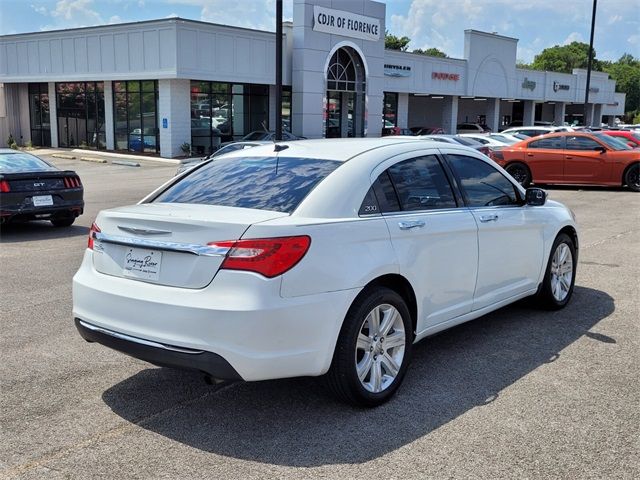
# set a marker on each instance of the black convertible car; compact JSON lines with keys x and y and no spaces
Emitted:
{"x":33,"y":189}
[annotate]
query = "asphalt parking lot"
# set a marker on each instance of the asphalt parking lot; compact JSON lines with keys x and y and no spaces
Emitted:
{"x":519,"y":393}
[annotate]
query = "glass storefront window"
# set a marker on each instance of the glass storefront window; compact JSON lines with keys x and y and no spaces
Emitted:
{"x":39,"y":114}
{"x":286,"y":109}
{"x":390,"y":110}
{"x":80,"y":108}
{"x":135,"y":105}
{"x":222,"y":112}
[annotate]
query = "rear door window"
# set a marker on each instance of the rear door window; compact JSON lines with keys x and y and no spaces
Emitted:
{"x":264,"y":183}
{"x":421,"y":184}
{"x":553,"y":143}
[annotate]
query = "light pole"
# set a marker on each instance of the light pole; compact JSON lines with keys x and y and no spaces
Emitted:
{"x":586,"y":93}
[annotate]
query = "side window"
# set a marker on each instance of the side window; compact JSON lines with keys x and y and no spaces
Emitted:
{"x":553,"y":143}
{"x":483,"y":185}
{"x":381,"y":197}
{"x":421,"y":184}
{"x":581,"y":143}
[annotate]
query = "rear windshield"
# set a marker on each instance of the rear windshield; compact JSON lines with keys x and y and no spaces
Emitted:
{"x":264,"y":183}
{"x":22,"y":162}
{"x":466,"y":141}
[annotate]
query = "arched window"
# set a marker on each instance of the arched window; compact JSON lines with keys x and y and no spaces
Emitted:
{"x":345,"y":72}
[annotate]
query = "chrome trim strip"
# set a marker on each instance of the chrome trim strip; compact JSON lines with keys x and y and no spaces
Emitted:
{"x":192,"y":248}
{"x":137,"y":340}
{"x":144,"y":231}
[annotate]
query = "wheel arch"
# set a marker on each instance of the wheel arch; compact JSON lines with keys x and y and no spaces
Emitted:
{"x":626,"y":169}
{"x":402,"y":287}
{"x":572,"y":233}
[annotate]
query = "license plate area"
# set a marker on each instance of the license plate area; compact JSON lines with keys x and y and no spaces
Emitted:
{"x":42,"y":201}
{"x":142,"y":263}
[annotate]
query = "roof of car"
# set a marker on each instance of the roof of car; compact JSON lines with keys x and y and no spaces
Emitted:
{"x":339,"y":149}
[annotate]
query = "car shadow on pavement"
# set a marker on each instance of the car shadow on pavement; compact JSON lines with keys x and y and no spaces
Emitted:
{"x":38,"y":230}
{"x":294,"y":422}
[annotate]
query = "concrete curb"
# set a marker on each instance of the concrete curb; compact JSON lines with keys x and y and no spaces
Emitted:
{"x":63,"y":155}
{"x":125,"y":163}
{"x":136,"y":158}
{"x":93,"y":159}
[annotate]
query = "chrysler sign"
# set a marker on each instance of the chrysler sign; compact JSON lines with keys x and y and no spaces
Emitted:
{"x":347,"y":24}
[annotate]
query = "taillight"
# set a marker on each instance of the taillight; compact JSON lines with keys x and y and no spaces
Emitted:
{"x":94,"y":229}
{"x":485,"y":150}
{"x":267,"y":256}
{"x":496,"y":154}
{"x":71,"y":182}
{"x":4,"y":186}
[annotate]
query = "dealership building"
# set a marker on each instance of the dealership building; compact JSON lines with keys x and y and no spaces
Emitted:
{"x":163,"y":86}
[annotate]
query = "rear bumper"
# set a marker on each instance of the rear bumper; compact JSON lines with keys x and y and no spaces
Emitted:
{"x":240,"y":317}
{"x":20,"y":206}
{"x":159,"y":354}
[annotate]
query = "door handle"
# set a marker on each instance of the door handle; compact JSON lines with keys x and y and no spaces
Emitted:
{"x":568,"y":157}
{"x":410,"y":225}
{"x":529,"y":154}
{"x":488,"y":218}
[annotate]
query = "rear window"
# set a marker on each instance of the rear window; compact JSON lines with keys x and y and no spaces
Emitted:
{"x":264,"y":183}
{"x":22,"y":162}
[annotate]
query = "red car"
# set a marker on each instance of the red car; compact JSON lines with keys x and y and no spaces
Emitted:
{"x":575,"y":158}
{"x":631,"y":138}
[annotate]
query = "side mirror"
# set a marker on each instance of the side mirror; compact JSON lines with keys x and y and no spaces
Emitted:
{"x":535,"y":197}
{"x":600,"y":149}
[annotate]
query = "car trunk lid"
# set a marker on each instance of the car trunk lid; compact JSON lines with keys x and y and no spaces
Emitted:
{"x":167,"y":244}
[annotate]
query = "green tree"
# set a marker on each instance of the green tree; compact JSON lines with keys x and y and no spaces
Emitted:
{"x":391,"y":42}
{"x":626,"y":73}
{"x":564,"y":58}
{"x":432,"y":52}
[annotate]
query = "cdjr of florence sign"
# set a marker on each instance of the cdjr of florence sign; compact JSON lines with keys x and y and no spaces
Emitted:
{"x":347,"y":24}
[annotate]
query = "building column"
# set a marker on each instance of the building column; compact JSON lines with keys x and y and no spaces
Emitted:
{"x":53,"y":114}
{"x":450,"y":114}
{"x":611,"y":120}
{"x":597,"y":115}
{"x":529,"y":115}
{"x":109,"y":130}
{"x":403,"y":110}
{"x":588,"y":115}
{"x":493,"y":114}
{"x":558,"y":113}
{"x":174,"y":112}
{"x":25,"y":114}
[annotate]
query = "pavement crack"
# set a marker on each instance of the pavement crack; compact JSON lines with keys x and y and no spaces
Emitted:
{"x":101,"y":436}
{"x":606,"y":239}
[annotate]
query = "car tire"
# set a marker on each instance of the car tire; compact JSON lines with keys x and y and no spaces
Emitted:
{"x":63,"y":221}
{"x":560,"y":275}
{"x":366,"y":371}
{"x":632,"y":178}
{"x":520,"y":172}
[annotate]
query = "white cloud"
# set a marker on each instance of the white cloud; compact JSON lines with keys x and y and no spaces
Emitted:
{"x":634,"y":40}
{"x":259,"y":14}
{"x":614,"y":19}
{"x":115,"y":19}
{"x":573,"y":37}
{"x":41,"y":10}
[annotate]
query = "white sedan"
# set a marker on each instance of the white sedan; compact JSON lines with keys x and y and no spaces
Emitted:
{"x":319,"y":257}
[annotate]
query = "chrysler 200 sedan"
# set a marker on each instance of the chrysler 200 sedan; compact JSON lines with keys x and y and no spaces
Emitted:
{"x":319,"y":257}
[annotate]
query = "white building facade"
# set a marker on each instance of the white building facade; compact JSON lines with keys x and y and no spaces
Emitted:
{"x":169,"y":86}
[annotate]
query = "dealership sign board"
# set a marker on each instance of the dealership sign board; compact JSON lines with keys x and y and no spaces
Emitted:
{"x":528,"y":84}
{"x":445,"y":76}
{"x":347,"y":24}
{"x":560,"y":86}
{"x":397,"y":70}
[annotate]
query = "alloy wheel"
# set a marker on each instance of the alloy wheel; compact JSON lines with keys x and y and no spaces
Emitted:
{"x":380,"y":348}
{"x":561,"y":272}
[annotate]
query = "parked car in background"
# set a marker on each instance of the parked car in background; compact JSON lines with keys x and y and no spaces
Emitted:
{"x":387,"y":131}
{"x":472,"y":128}
{"x":426,"y":130}
{"x":578,"y":158}
{"x":508,"y":138}
{"x":485,"y":139}
{"x":258,"y":265}
{"x":534,"y":131}
{"x":231,"y":147}
{"x":537,"y":123}
{"x":631,"y":138}
{"x":457,"y":139}
{"x":268,"y":136}
{"x":33,"y":189}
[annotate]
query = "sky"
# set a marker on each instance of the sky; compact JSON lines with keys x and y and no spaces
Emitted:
{"x":538,"y":24}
